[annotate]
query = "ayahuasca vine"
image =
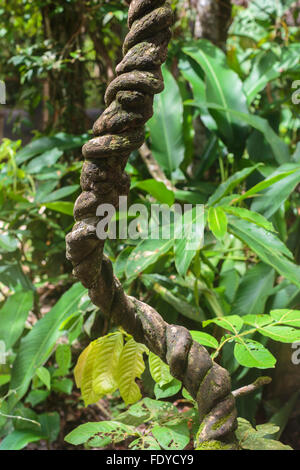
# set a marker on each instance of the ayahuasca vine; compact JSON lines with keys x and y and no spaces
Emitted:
{"x":119,"y":131}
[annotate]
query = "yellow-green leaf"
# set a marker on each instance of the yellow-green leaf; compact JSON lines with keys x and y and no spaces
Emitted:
{"x":106,"y":365}
{"x":131,"y":366}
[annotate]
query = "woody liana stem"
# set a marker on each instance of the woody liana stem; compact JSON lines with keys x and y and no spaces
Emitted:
{"x":117,"y":132}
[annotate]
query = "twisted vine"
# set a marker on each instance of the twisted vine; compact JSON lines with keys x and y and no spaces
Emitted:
{"x":119,"y":131}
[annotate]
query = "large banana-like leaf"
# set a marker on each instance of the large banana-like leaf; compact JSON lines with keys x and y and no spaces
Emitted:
{"x":36,"y":347}
{"x":166,"y":126}
{"x":223,"y":88}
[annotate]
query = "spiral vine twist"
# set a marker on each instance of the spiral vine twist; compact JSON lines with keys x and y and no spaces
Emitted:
{"x":119,"y":131}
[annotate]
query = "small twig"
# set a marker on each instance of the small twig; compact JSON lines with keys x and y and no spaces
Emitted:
{"x":260,"y":382}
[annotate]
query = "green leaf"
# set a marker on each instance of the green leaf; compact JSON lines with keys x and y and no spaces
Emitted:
{"x":50,"y":425}
{"x":231,"y":323}
{"x":287,"y":317}
{"x":61,"y":206}
{"x":13,"y":316}
{"x":217,"y":222}
{"x":83,"y":373}
{"x":267,"y":67}
{"x":62,"y":386}
{"x":166,"y":126}
{"x":224,"y":88}
{"x":174,"y":437}
{"x":63,"y":358}
{"x":251,"y":216}
{"x":36,"y":396}
{"x":131,"y":366}
{"x":254,"y":290}
{"x":17,"y":440}
{"x":47,"y":159}
{"x":250,"y":353}
{"x":167,"y":390}
{"x":37,"y":345}
{"x":44,"y":376}
{"x":58,"y":194}
{"x":233,"y":181}
{"x":191,"y":240}
{"x":146,"y":253}
{"x":8,"y":243}
{"x":160,"y":371}
{"x":267,"y":246}
{"x":283,"y":334}
{"x":106,"y":431}
{"x":205,"y":339}
{"x":279,"y":148}
{"x":156,"y":189}
{"x":105,"y":371}
{"x":145,"y":443}
{"x":272,"y":198}
{"x":277,"y":176}
{"x":253,"y":439}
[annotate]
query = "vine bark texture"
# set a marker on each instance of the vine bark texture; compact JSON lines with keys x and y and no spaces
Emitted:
{"x":119,"y":131}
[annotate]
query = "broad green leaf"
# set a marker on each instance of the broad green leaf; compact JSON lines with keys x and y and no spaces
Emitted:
{"x":279,"y":148}
{"x":267,"y":67}
{"x":253,"y":439}
{"x":44,"y":376}
{"x":131,"y":366}
{"x":61,"y":206}
{"x":278,"y":176}
{"x":58,"y":194}
{"x":233,"y":181}
{"x":257,"y":320}
{"x":145,"y":443}
{"x":37,"y":345}
{"x":13,"y":316}
{"x":250,"y":353}
{"x":254,"y":290}
{"x":159,"y":370}
{"x":174,"y":437}
{"x":157,"y":189}
{"x":272,"y":198}
{"x":47,"y":159}
{"x":167,"y":390}
{"x":146,"y":253}
{"x":62,"y":385}
{"x":283,"y":334}
{"x":287,"y":317}
{"x":231,"y":323}
{"x":267,"y":246}
{"x":191,"y":240}
{"x":61,"y":140}
{"x":36,"y":396}
{"x":63,"y":357}
{"x":50,"y":425}
{"x":190,"y":70}
{"x":8,"y":243}
{"x":107,"y":431}
{"x":166,"y":126}
{"x":217,"y":222}
{"x":19,"y":439}
{"x":224,"y":88}
{"x":205,"y":339}
{"x":251,"y":216}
